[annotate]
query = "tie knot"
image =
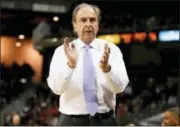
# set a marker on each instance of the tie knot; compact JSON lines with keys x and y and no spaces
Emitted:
{"x":87,"y":47}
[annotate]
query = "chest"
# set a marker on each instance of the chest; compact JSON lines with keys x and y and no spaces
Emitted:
{"x":79,"y":71}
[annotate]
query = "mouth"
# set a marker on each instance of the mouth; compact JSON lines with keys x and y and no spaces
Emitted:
{"x":88,"y":31}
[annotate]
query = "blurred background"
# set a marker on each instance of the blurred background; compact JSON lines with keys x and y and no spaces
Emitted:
{"x":147,"y":32}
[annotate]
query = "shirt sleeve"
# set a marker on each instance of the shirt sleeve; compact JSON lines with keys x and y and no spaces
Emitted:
{"x":59,"y":73}
{"x":117,"y":78}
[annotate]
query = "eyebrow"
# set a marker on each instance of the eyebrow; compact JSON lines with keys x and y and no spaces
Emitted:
{"x":88,"y":17}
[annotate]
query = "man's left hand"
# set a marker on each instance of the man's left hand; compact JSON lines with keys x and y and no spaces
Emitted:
{"x":104,"y":60}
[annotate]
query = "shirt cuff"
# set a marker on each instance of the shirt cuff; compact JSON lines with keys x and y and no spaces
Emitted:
{"x":109,"y":74}
{"x":68,"y":72}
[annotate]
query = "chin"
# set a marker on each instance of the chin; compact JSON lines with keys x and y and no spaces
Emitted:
{"x":88,"y":39}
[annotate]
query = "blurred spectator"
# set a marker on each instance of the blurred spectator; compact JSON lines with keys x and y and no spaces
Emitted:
{"x":16,"y":120}
{"x":171,"y":117}
{"x":146,"y":94}
{"x":14,"y":80}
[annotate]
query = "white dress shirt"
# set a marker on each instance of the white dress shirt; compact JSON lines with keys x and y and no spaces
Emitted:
{"x":68,"y":83}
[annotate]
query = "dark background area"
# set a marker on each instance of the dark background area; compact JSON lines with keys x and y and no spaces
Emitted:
{"x":153,"y":68}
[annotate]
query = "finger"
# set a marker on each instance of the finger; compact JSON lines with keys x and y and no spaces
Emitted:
{"x":105,"y":60}
{"x":66,"y":44}
{"x":72,"y":46}
{"x":105,"y":47}
{"x":106,"y":54}
{"x":105,"y":57}
{"x":109,"y":50}
{"x":102,"y":60}
{"x":66,"y":40}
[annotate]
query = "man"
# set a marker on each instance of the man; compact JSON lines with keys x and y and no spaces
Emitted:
{"x":171,"y":117}
{"x":16,"y":120}
{"x":87,"y":73}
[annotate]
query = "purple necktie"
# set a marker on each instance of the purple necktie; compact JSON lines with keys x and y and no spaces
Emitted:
{"x":89,"y":82}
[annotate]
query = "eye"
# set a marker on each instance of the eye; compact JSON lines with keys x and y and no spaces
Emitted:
{"x":83,"y":19}
{"x":92,"y":19}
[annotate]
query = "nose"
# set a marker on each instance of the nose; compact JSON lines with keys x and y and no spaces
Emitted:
{"x":88,"y":22}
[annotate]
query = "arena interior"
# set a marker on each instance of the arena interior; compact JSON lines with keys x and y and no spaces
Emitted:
{"x":147,"y":32}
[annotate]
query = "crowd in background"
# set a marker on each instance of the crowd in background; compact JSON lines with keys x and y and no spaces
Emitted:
{"x":147,"y":94}
{"x":143,"y":97}
{"x":12,"y":81}
{"x":39,"y":109}
{"x":150,"y":100}
{"x":128,"y":22}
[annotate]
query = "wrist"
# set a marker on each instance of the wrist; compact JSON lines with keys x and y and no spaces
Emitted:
{"x":71,"y":65}
{"x":107,"y":69}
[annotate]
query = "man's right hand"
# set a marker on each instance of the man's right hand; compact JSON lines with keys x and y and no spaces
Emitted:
{"x":71,"y":53}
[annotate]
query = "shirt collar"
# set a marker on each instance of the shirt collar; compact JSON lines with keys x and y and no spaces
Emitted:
{"x":93,"y":44}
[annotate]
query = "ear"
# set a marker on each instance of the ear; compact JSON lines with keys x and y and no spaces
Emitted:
{"x":98,"y":27}
{"x":74,"y":26}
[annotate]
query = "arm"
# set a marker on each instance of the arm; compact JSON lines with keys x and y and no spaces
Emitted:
{"x":59,"y":73}
{"x":117,"y":77}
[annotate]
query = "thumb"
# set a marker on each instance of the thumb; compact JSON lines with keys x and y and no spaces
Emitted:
{"x":66,"y":40}
{"x":72,"y":45}
{"x":66,"y":43}
{"x":105,"y":47}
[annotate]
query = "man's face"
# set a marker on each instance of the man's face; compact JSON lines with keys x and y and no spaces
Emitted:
{"x":16,"y":120}
{"x":170,"y":119}
{"x":86,"y":24}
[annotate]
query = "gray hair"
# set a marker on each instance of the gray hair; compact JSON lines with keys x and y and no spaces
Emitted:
{"x":78,"y":7}
{"x":174,"y":110}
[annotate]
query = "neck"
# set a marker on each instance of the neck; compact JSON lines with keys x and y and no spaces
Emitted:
{"x":87,"y":42}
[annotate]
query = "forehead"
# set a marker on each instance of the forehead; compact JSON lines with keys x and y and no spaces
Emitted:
{"x":169,"y":114}
{"x":16,"y":117}
{"x":86,"y":12}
